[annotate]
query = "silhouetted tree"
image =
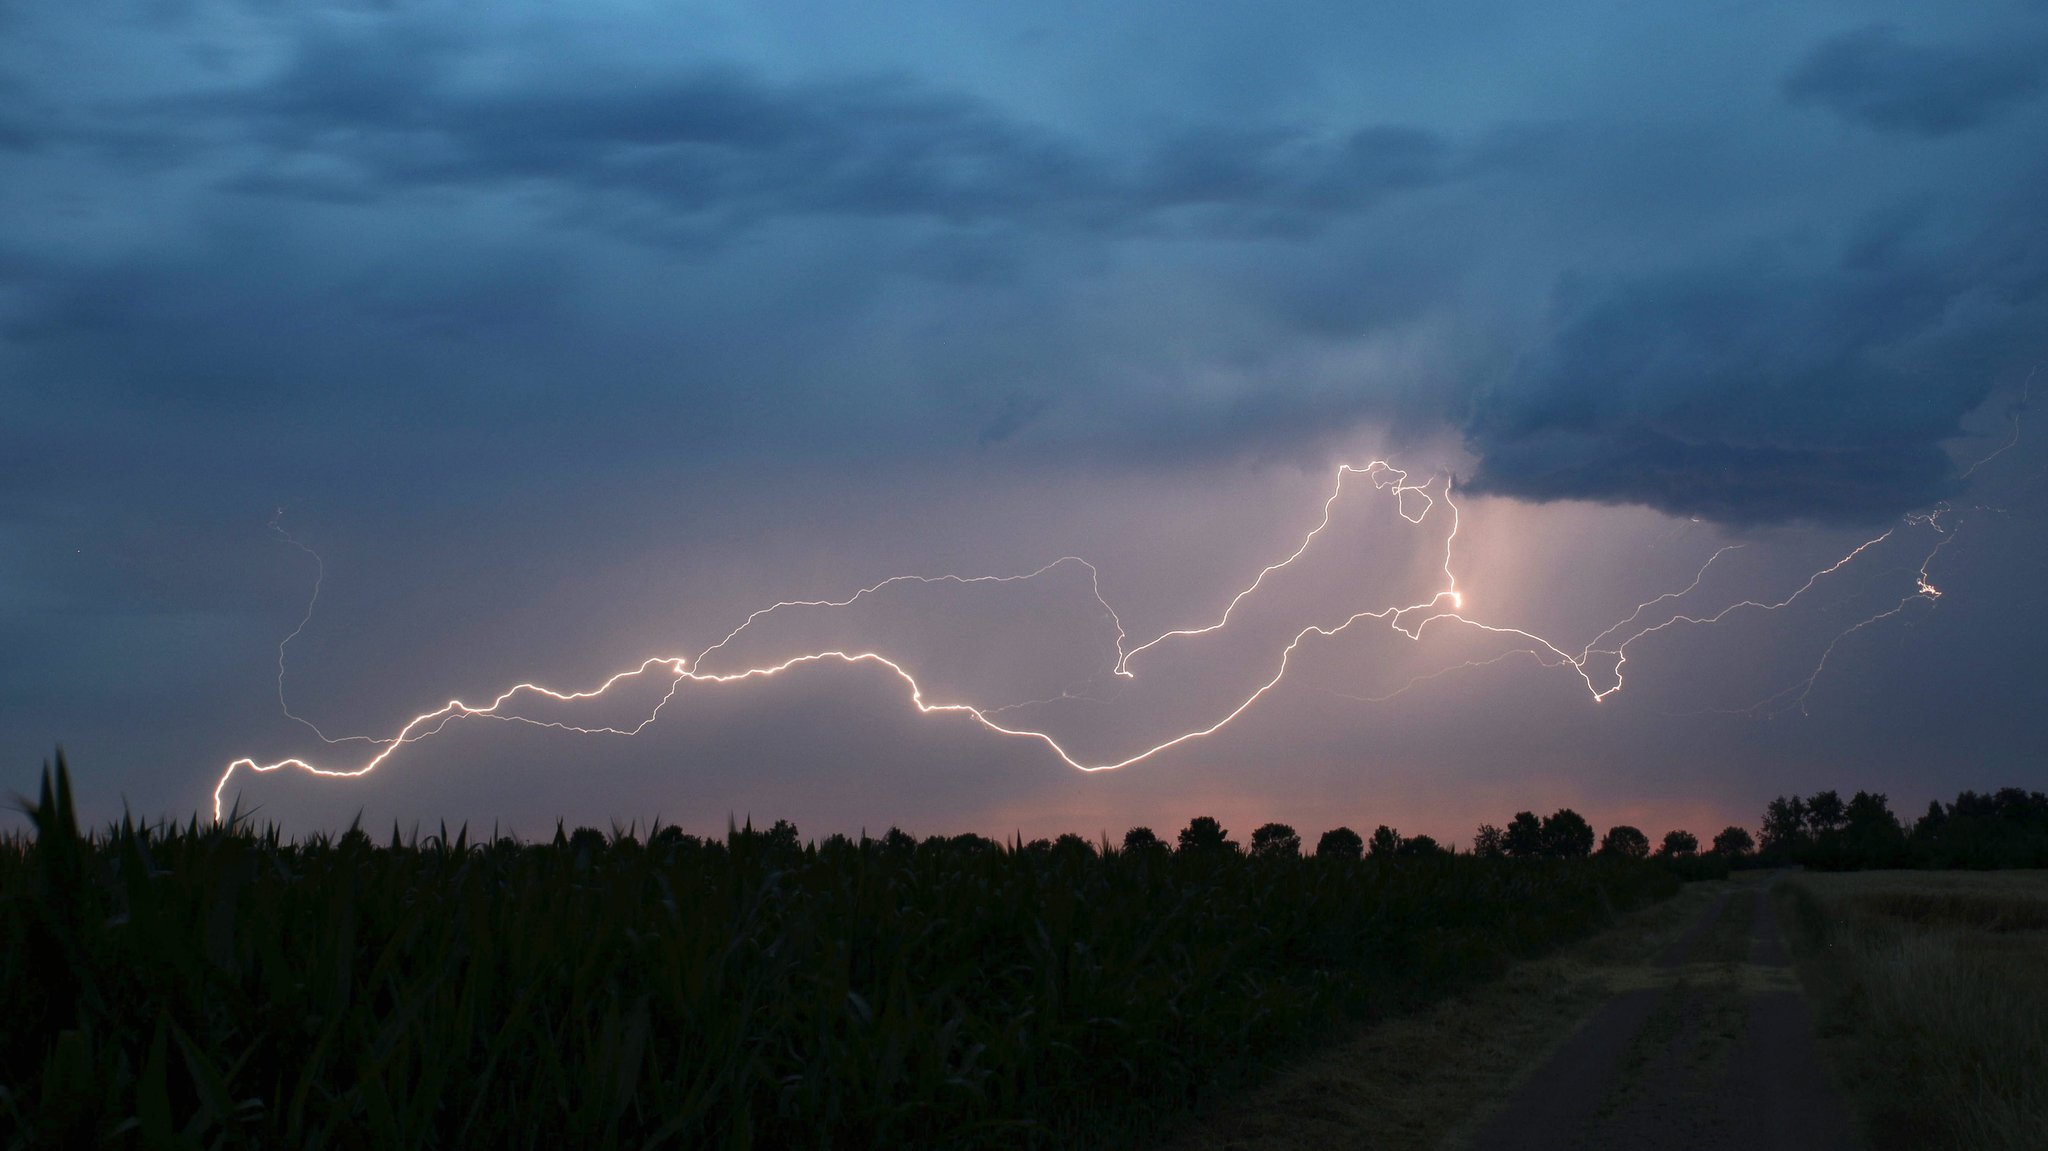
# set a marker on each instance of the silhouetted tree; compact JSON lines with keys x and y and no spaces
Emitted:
{"x":1340,"y":843}
{"x":2007,"y":828}
{"x":1069,"y":844}
{"x":1489,"y":843}
{"x":1567,"y":835}
{"x":1679,"y":845}
{"x":1524,"y":836}
{"x":673,"y":839}
{"x":1384,"y":843}
{"x":1276,"y":841}
{"x":1784,"y":829}
{"x":782,"y":836}
{"x":1734,"y":842}
{"x":586,"y":839}
{"x":1203,"y":835}
{"x":1626,"y":842}
{"x":1927,"y":829}
{"x":1143,"y":839}
{"x":1418,"y":845}
{"x":897,"y":841}
{"x":1825,"y":812}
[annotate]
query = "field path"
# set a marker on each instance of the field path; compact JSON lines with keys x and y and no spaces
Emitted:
{"x":1711,"y":1048}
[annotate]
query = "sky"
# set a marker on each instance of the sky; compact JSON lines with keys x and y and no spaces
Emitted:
{"x":547,"y":339}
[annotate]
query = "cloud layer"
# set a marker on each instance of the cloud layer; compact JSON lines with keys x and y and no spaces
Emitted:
{"x":270,"y":220}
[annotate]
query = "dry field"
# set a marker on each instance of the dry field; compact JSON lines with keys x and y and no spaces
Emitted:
{"x":1933,"y":994}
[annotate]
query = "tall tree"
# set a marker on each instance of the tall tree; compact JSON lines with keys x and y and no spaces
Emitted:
{"x":1825,"y":812}
{"x":1524,"y":836}
{"x":1490,"y":842}
{"x":1204,"y":836}
{"x":1567,"y":835}
{"x":1785,"y":828}
{"x":1875,"y":838}
{"x":1384,"y":843}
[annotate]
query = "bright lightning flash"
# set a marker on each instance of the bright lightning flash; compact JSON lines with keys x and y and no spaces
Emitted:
{"x":1442,"y":608}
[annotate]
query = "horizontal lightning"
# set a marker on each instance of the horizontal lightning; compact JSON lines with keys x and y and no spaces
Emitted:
{"x":1442,"y":608}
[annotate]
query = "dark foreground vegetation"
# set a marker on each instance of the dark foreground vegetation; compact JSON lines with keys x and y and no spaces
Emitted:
{"x":201,"y":986}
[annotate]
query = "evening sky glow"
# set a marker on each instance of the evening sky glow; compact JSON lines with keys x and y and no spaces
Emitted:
{"x":569,"y":339}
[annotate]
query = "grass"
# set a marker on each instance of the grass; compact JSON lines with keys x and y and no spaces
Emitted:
{"x":201,"y":986}
{"x":1932,"y":994}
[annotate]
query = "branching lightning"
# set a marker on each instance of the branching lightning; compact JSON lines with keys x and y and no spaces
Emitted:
{"x":1441,"y":608}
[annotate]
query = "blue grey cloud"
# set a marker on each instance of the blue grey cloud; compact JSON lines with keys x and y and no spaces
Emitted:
{"x":1751,"y":390}
{"x":713,"y":147}
{"x":1874,"y":77}
{"x":380,"y":221}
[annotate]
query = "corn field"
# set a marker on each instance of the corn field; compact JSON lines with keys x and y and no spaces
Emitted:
{"x":206,"y":986}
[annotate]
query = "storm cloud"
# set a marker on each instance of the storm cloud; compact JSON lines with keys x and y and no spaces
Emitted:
{"x":367,"y":192}
{"x":1754,"y":391}
{"x":1874,"y":77}
{"x":711,"y":149}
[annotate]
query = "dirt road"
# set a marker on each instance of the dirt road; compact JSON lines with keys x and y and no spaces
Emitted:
{"x":1713,"y":1048}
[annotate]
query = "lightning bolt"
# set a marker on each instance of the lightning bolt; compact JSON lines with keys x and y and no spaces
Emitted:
{"x":1441,"y":608}
{"x":319,"y":580}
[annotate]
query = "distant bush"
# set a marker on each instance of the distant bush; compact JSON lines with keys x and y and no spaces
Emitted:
{"x":1626,"y":842}
{"x":1678,"y":845}
{"x":1734,"y":843}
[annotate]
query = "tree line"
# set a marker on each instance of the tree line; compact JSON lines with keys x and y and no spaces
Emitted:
{"x":2000,"y":829}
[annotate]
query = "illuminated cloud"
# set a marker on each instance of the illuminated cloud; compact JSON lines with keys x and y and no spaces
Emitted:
{"x":691,"y":305}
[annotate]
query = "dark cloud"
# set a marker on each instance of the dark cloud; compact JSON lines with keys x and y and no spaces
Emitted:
{"x":1637,"y":462}
{"x":1750,"y":392}
{"x":402,"y":220}
{"x":1875,"y":78}
{"x":351,"y":119}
